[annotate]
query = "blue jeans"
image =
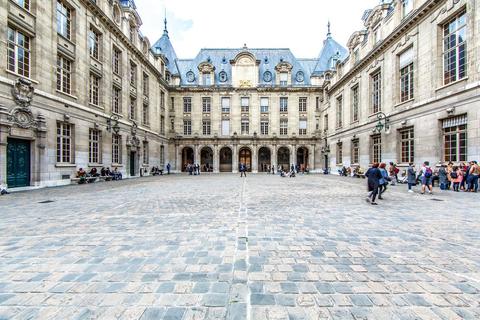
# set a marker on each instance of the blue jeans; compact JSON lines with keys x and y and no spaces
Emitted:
{"x":473,"y":183}
{"x":443,"y":186}
{"x":410,"y":185}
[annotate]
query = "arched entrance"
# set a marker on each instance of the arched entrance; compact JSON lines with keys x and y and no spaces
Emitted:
{"x":206,"y":159}
{"x":245,"y":157}
{"x":187,"y":157}
{"x":302,"y":158}
{"x":264,"y":159}
{"x":225,"y":159}
{"x":283,"y":158}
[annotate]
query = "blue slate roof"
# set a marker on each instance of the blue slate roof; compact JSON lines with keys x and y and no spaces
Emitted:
{"x":128,"y":3}
{"x":268,"y":57}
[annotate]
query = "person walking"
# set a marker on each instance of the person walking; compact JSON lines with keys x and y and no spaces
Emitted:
{"x":243,"y":170}
{"x":383,"y":180}
{"x":426,"y":176}
{"x":168,"y":168}
{"x":391,"y":173}
{"x":374,"y":175}
{"x":411,"y":176}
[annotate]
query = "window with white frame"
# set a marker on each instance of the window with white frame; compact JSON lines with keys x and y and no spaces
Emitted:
{"x":283,"y":127}
{"x":187,"y":127}
{"x":162,"y":155}
{"x":245,"y":127}
{"x":339,"y":113}
{"x":283,"y":104}
{"x":146,"y":84}
{"x":206,"y":104}
{"x":339,"y":153}
{"x":455,"y":48}
{"x":162,"y":125}
{"x":117,"y":61}
{"x":264,"y":127}
{"x":145,"y":115}
{"x":162,"y":100}
{"x":245,"y":103}
{"x":146,"y":153}
{"x":264,"y":102}
{"x":407,"y":143}
{"x":94,"y":151}
{"x":187,"y":104}
{"x":455,"y":138}
{"x":225,"y":104}
{"x":94,"y":90}
{"x":406,"y":75}
{"x":302,"y":127}
{"x":302,"y":104}
{"x":133,"y":74}
{"x":94,"y":41}
{"x":64,"y":74}
{"x":116,"y":148}
{"x":376,"y":148}
{"x":64,"y":142}
{"x":207,"y":128}
{"x":225,"y":127}
{"x":376,"y":96}
{"x":206,"y":79}
{"x":64,"y":20}
{"x":355,"y":151}
{"x":116,"y":100}
{"x":132,"y":112}
{"x":355,"y":102}
{"x":25,"y":4}
{"x":407,"y":7}
{"x":325,"y":122}
{"x":283,"y":78}
{"x":18,"y":52}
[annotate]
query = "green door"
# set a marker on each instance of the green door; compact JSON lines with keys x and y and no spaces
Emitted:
{"x":132,"y":164}
{"x":18,"y":163}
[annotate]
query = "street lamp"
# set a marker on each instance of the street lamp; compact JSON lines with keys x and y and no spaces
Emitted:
{"x":112,"y":124}
{"x":383,"y":123}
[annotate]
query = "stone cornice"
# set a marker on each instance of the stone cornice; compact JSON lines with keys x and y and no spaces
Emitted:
{"x":279,"y":89}
{"x":396,"y":34}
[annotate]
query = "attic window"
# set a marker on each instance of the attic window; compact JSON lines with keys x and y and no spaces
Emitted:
{"x":224,"y":60}
{"x":283,"y":78}
{"x":265,"y":60}
{"x":116,"y":14}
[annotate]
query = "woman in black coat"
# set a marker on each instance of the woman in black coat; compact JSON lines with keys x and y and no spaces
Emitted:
{"x":374,"y":175}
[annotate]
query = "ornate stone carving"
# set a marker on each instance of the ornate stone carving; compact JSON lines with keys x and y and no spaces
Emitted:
{"x":206,"y":67}
{"x":134,"y":140}
{"x":22,"y":92}
{"x":283,"y":67}
{"x":355,"y":39}
{"x":21,"y":115}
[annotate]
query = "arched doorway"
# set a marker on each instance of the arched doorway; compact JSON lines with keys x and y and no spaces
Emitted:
{"x":225,"y":159}
{"x":245,"y":157}
{"x":302,"y":158}
{"x":283,"y":158}
{"x":187,"y":157}
{"x":206,"y":159}
{"x":264,"y":159}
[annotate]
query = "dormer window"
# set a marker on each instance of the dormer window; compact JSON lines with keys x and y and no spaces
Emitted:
{"x":356,"y":56}
{"x":133,"y":33}
{"x":116,"y":14}
{"x":407,"y":7}
{"x":207,"y":79}
{"x":283,"y":78}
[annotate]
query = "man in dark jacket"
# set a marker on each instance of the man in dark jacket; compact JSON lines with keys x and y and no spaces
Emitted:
{"x":411,"y":176}
{"x":374,"y":175}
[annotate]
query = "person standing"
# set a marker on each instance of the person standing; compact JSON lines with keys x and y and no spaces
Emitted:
{"x":243,"y":170}
{"x":168,"y":168}
{"x":457,"y":177}
{"x":374,"y":175}
{"x":411,"y":176}
{"x":443,"y":177}
{"x":391,"y":173}
{"x":473,"y":175}
{"x":383,"y":180}
{"x":427,"y":174}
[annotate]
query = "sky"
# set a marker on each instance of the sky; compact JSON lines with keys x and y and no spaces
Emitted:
{"x":300,"y":25}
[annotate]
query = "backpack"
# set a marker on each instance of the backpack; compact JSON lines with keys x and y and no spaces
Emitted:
{"x":453,"y":175}
{"x":428,"y":172}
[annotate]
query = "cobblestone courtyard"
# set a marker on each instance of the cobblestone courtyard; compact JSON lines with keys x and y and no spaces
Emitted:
{"x":222,"y":247}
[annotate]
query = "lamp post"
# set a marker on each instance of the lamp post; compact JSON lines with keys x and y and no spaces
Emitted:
{"x":112,"y":124}
{"x":325,"y":150}
{"x":382,"y":124}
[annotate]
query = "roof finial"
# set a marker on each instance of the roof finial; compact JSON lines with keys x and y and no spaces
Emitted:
{"x":329,"y":34}
{"x":165,"y":31}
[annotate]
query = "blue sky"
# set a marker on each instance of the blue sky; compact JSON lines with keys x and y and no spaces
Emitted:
{"x":300,"y":25}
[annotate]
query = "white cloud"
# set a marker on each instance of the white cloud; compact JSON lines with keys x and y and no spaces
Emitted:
{"x":300,"y":25}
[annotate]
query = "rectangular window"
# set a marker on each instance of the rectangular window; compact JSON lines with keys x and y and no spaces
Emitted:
{"x":264,"y":128}
{"x":283,"y":104}
{"x":207,"y":128}
{"x":133,"y":74}
{"x":355,"y":103}
{"x":94,"y":146}
{"x":225,"y":105}
{"x":64,"y":142}
{"x":264,"y":102}
{"x":356,"y":56}
{"x":162,"y":125}
{"x":376,"y":82}
{"x":245,"y":127}
{"x":339,"y":153}
{"x":94,"y":90}
{"x":145,"y":115}
{"x":64,"y":74}
{"x":302,"y":127}
{"x":317,"y":103}
{"x":64,"y":20}
{"x":325,"y":122}
{"x":407,"y":7}
{"x":146,"y":85}
{"x":162,"y":100}
{"x":206,"y":104}
{"x":376,"y":152}
{"x":187,"y":104}
{"x":18,"y":52}
{"x":406,"y":75}
{"x":245,"y":102}
{"x":187,"y":127}
{"x":339,"y":109}
{"x":94,"y":38}
{"x":283,"y":127}
{"x":116,"y":148}
{"x":146,"y":153}
{"x":207,"y":79}
{"x":455,"y":49}
{"x":225,"y":127}
{"x":455,"y":139}
{"x":132,"y":112}
{"x":133,"y":34}
{"x":407,"y":143}
{"x":302,"y":104}
{"x":117,"y":61}
{"x":283,"y":78}
{"x":356,"y":151}
{"x":162,"y":156}
{"x":25,"y":4}
{"x":116,"y":100}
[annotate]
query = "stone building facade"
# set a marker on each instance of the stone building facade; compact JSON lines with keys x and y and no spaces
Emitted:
{"x":79,"y":87}
{"x":414,"y":68}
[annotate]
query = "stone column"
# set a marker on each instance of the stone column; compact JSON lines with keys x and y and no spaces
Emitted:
{"x":178,"y":158}
{"x":311,"y":158}
{"x":273,"y":157}
{"x":4,"y":129}
{"x":235,"y":158}
{"x":216,"y":159}
{"x":42,"y":161}
{"x":196,"y":157}
{"x":293,"y":156}
{"x":255,"y":159}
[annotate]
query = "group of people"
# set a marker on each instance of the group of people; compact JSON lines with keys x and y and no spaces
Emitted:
{"x":192,"y":169}
{"x":85,"y":177}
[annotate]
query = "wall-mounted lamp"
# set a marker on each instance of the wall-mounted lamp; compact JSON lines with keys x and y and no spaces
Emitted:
{"x":382,"y":124}
{"x":112,"y":124}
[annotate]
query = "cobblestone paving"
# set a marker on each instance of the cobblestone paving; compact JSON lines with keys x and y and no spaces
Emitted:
{"x":222,"y":247}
